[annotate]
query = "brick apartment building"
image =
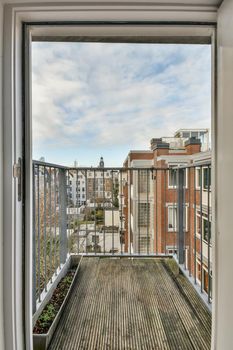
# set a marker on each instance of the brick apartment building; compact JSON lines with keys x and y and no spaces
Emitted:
{"x":150,"y":192}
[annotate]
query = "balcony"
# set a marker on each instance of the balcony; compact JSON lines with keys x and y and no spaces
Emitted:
{"x":145,"y":276}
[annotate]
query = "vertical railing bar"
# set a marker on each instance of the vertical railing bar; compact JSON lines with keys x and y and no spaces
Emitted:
{"x":50,"y":223}
{"x":103,"y":178}
{"x":86,"y":210}
{"x":156,"y":213}
{"x":184,"y":216}
{"x":201,"y":233}
{"x":147,"y":210}
{"x":95,"y":207}
{"x":62,"y":210}
{"x":208,"y":218}
{"x":55,"y":223}
{"x":112,"y":218}
{"x":71,"y":234}
{"x":68,"y":216}
{"x":189,"y":222}
{"x":195,"y":229}
{"x":58,"y":244}
{"x":180,"y":216}
{"x":68,"y":213}
{"x":34,"y":241}
{"x":78,"y":201}
{"x":130,"y":174}
{"x":69,"y":219}
{"x":45,"y":233}
{"x":174,"y":206}
{"x":139,"y":230}
{"x":176,"y":201}
{"x":165,"y":221}
{"x":121,"y":209}
{"x":38,"y":213}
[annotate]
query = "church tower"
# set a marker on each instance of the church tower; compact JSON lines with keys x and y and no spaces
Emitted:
{"x":101,"y":163}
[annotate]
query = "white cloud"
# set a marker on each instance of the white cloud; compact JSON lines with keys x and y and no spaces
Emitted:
{"x":122,"y":94}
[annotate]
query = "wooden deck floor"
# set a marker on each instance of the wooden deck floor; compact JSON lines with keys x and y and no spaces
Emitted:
{"x":132,"y":304}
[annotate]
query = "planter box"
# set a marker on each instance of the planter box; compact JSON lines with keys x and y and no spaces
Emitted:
{"x":42,"y":341}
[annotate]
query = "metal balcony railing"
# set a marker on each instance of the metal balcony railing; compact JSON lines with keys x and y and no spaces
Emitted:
{"x":121,"y":212}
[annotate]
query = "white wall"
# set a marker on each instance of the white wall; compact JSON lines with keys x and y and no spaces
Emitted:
{"x":223,"y":308}
{"x":1,"y":186}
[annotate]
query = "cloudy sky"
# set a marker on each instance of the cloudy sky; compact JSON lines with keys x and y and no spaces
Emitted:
{"x":101,"y":99}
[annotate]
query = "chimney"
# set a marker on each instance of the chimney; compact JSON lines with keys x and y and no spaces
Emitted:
{"x":154,"y":142}
{"x":159,"y":147}
{"x":193,"y":145}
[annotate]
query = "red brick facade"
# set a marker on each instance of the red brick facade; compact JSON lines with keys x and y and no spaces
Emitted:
{"x":165,"y":201}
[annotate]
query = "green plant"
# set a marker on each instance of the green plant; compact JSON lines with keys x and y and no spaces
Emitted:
{"x":47,"y":315}
{"x":51,"y":309}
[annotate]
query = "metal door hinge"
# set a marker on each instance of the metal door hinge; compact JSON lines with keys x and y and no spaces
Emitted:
{"x":17,"y":174}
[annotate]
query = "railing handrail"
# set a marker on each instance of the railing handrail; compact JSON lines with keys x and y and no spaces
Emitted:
{"x":152,"y":168}
{"x":51,"y":165}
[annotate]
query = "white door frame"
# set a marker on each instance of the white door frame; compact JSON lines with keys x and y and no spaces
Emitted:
{"x":166,"y":21}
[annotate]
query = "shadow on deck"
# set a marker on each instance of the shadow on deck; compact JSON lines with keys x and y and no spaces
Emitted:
{"x":132,"y":304}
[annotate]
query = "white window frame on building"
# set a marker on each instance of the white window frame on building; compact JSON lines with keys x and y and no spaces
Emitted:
{"x":172,"y":207}
{"x":173,"y":185}
{"x":205,"y":180}
{"x":172,"y":218}
{"x":203,"y":217}
{"x":204,"y":269}
{"x":201,"y":179}
{"x":198,"y":177}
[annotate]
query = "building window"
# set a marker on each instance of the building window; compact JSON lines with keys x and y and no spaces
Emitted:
{"x":206,"y":278}
{"x":172,"y":218}
{"x":172,"y":251}
{"x":172,"y":178}
{"x":194,"y":134}
{"x":206,"y":178}
{"x":143,"y":181}
{"x":198,"y":225}
{"x":198,"y":178}
{"x":143,"y":214}
{"x":206,"y":227}
{"x":186,"y":135}
{"x":198,"y":272}
{"x":206,"y":230}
